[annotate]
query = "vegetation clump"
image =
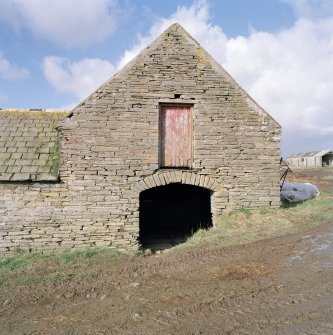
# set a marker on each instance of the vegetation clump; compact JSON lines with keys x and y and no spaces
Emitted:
{"x":24,"y":268}
{"x":244,"y":226}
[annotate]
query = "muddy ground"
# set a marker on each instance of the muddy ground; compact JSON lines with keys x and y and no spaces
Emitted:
{"x":278,"y":286}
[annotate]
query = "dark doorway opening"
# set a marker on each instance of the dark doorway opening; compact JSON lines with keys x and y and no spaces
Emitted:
{"x":327,"y":159}
{"x":170,"y":214}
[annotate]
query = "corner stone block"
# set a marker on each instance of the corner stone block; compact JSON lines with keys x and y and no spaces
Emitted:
{"x":6,"y":176}
{"x":222,"y":193}
{"x":130,"y":193}
{"x":173,"y":177}
{"x":166,"y":177}
{"x":46,"y":177}
{"x":197,"y":180}
{"x":183,"y":178}
{"x":192,"y":179}
{"x":206,"y":181}
{"x":150,"y":182}
{"x":202,"y":180}
{"x":143,"y":185}
{"x":156,"y":181}
{"x":210,"y":183}
{"x":178,"y":176}
{"x":188,"y":178}
{"x":137,"y":188}
{"x":20,"y":177}
{"x":162,"y":178}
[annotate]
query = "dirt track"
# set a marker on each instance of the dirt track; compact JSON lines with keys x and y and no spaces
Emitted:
{"x":278,"y":286}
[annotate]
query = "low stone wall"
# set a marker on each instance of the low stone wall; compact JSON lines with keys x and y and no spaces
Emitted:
{"x":39,"y":217}
{"x":42,"y":216}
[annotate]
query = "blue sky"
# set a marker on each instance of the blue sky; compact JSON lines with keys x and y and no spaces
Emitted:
{"x":53,"y":53}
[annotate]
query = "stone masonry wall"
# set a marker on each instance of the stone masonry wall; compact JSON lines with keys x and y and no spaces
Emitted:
{"x":110,"y":152}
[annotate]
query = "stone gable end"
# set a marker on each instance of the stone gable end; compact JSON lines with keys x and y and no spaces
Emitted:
{"x":111,"y":152}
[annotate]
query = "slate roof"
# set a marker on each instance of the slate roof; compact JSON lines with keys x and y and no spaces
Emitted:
{"x":29,"y":145}
{"x":310,"y":154}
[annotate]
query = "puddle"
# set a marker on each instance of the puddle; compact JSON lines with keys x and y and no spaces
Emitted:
{"x":295,"y":258}
{"x":319,"y":248}
{"x":323,"y":244}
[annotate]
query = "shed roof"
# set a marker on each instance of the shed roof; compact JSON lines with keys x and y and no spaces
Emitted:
{"x":310,"y":154}
{"x":29,"y":145}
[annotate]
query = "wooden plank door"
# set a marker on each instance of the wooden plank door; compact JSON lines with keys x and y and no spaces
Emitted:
{"x":176,"y":136}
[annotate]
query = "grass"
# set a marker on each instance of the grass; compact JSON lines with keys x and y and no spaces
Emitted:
{"x":234,"y":228}
{"x":244,"y":226}
{"x":22,"y":269}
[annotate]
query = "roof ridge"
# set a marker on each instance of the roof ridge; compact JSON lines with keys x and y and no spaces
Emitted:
{"x":32,"y":110}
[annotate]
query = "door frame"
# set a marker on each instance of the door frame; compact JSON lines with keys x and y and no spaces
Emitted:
{"x":175,"y":105}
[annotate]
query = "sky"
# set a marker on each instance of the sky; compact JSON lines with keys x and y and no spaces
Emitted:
{"x":54,"y":53}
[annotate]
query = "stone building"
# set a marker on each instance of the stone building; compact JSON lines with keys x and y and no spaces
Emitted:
{"x":311,"y":159}
{"x":161,"y":149}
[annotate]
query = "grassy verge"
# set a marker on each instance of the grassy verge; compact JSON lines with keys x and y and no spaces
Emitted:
{"x":245,"y":226}
{"x":22,"y":269}
{"x":238,"y":227}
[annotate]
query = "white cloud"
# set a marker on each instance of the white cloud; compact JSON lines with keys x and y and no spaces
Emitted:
{"x":77,"y":78}
{"x":289,"y":73}
{"x":195,"y":19}
{"x":67,"y":23}
{"x":11,"y":71}
{"x":311,"y":8}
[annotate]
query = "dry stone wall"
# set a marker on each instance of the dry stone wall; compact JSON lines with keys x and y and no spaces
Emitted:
{"x":110,"y":152}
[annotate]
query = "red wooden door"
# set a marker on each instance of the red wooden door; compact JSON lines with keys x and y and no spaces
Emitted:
{"x":176,"y":136}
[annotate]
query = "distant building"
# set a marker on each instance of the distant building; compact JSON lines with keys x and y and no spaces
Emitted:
{"x":311,"y":158}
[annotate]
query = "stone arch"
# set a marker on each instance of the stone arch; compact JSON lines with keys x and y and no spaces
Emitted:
{"x":176,"y":176}
{"x":218,"y":192}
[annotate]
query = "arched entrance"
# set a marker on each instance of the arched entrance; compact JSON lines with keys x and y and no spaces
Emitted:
{"x":169,"y":214}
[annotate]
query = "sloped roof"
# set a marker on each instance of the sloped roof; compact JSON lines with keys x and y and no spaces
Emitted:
{"x":29,"y":145}
{"x":162,"y":42}
{"x":310,"y":154}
